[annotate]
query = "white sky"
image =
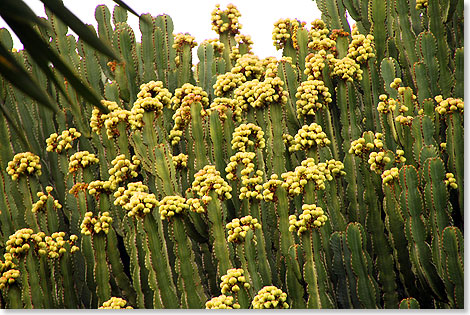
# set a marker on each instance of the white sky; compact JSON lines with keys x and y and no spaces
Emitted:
{"x":258,"y":16}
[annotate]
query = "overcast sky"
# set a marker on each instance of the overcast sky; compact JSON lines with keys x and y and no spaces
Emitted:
{"x":258,"y":16}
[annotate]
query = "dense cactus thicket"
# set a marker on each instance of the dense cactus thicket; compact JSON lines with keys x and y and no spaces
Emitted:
{"x":332,"y":177}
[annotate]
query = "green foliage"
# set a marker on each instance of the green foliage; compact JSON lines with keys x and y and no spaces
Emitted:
{"x":330,"y":178}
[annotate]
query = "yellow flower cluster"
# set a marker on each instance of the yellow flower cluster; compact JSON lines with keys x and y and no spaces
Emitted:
{"x":404,"y":120}
{"x":122,"y":169}
{"x":209,"y":179}
{"x":389,"y":175}
{"x":346,"y":69}
{"x":91,"y":224}
{"x":152,"y":97}
{"x":54,"y":245}
{"x":181,"y":39}
{"x":361,"y":48}
{"x":9,"y":277}
{"x":314,"y":64}
{"x":222,"y":302}
{"x":195,"y":205}
{"x":361,"y":146}
{"x":451,"y":181}
{"x":135,"y":199}
{"x":245,"y":94}
{"x":311,"y":217}
{"x":448,"y":105}
{"x":421,"y":4}
{"x":311,"y":96}
{"x":238,"y":228}
{"x":233,"y":281}
{"x":81,"y":159}
{"x":386,"y":105}
{"x":222,"y":104}
{"x":180,"y":160}
{"x":97,"y":187}
{"x":241,"y":137}
{"x":308,"y":137}
{"x":240,"y":40}
{"x":268,"y":92}
{"x":63,"y":142}
{"x":226,"y":20}
{"x":185,"y":96}
{"x":172,"y":205}
{"x":295,"y":181}
{"x":252,"y":186}
{"x":115,"y":303}
{"x":318,"y":37}
{"x":283,"y":28}
{"x":227,"y":82}
{"x":98,"y":118}
{"x":270,"y":297}
{"x":377,"y":161}
{"x":270,"y":187}
{"x":271,"y":64}
{"x":25,"y":163}
{"x":250,"y":66}
{"x":241,"y":157}
{"x":41,"y":203}
{"x":218,"y":46}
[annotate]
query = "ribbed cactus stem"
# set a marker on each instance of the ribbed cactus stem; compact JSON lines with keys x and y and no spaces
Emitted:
{"x":221,"y":250}
{"x":198,"y":135}
{"x":66,"y":267}
{"x":14,"y":296}
{"x":101,"y":271}
{"x":31,"y":264}
{"x":310,"y":272}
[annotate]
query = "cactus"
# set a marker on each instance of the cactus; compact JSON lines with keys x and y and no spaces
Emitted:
{"x":332,"y":177}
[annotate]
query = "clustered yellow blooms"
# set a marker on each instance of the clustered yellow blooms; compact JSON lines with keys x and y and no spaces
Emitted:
{"x":448,"y":105}
{"x":81,"y":159}
{"x":250,"y":66}
{"x":245,"y":94}
{"x":360,"y":146}
{"x":241,"y":137}
{"x":54,"y":245}
{"x":377,"y":161}
{"x":311,"y":96}
{"x":226,"y":20}
{"x":41,"y":203}
{"x":268,"y":92}
{"x":8,"y":273}
{"x":172,"y":205}
{"x":386,"y":105}
{"x":115,"y":303}
{"x":233,"y":281}
{"x":228,"y":82}
{"x":270,"y":297}
{"x":195,"y":205}
{"x":270,"y":187}
{"x":152,"y":97}
{"x":311,"y":217}
{"x":421,"y":4}
{"x":252,"y":186}
{"x":180,"y":160}
{"x":91,"y":224}
{"x":181,"y":39}
{"x":283,"y":28}
{"x":97,"y":187}
{"x":58,"y":143}
{"x":218,"y":46}
{"x":241,"y":157}
{"x":346,"y":69}
{"x":240,"y":40}
{"x":182,"y":100}
{"x":111,"y":120}
{"x":318,"y":37}
{"x":208,"y":179}
{"x":122,"y":169}
{"x":222,"y":104}
{"x":389,"y":175}
{"x":25,"y":163}
{"x":222,"y":302}
{"x":314,"y":64}
{"x":361,"y":48}
{"x":135,"y":199}
{"x":451,"y":181}
{"x":271,"y":64}
{"x":238,"y":228}
{"x":295,"y":181}
{"x":307,"y":137}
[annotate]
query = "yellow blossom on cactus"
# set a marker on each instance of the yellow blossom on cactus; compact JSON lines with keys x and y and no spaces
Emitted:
{"x":25,"y":163}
